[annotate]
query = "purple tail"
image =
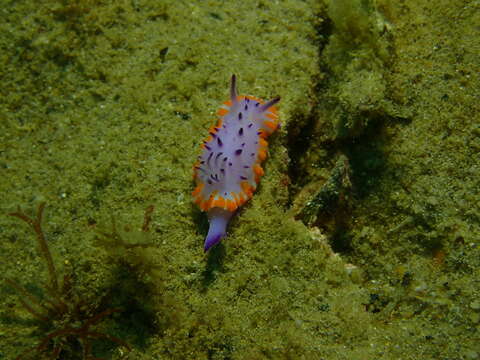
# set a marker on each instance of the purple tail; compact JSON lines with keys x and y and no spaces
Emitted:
{"x":218,"y":219}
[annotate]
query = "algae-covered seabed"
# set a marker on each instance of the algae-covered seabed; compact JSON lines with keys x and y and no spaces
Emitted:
{"x":102,"y":108}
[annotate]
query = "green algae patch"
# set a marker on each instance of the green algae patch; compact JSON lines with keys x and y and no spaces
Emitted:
{"x":357,"y":55}
{"x":399,"y":104}
{"x":103,"y":107}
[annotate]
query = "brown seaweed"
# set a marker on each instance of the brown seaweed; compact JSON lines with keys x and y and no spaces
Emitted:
{"x":67,"y":317}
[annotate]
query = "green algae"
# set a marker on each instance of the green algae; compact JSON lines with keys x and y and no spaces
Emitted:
{"x":103,"y":106}
{"x":411,"y":152}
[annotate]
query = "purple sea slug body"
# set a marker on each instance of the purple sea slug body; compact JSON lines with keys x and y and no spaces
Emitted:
{"x":228,"y":170}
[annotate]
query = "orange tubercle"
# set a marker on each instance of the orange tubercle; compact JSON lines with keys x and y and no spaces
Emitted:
{"x":231,"y":206}
{"x":262,"y":154}
{"x":222,"y":112}
{"x":220,"y":202}
{"x":197,"y":190}
{"x":257,"y":169}
{"x":270,"y":124}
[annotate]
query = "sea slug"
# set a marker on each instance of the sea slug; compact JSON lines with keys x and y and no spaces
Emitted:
{"x":228,"y":170}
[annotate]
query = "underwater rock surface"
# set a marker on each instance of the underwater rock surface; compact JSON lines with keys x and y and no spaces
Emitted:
{"x":101,"y":108}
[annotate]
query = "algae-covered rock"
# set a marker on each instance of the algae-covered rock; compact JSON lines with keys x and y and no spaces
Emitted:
{"x":358,"y":53}
{"x":103,"y":106}
{"x":318,"y":198}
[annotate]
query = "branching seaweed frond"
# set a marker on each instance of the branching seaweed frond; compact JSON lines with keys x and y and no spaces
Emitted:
{"x":68,"y":315}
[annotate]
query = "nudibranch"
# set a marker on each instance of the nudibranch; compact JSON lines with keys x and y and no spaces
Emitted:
{"x":229,"y":168}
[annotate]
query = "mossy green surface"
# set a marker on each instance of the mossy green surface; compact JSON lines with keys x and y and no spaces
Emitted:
{"x":401,"y":104}
{"x":102,"y":108}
